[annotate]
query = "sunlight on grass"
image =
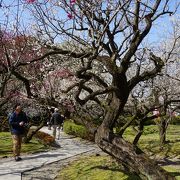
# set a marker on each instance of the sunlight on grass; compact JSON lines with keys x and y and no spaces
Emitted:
{"x":6,"y":145}
{"x":174,"y":170}
{"x":94,"y":168}
{"x":149,"y":141}
{"x":104,"y":168}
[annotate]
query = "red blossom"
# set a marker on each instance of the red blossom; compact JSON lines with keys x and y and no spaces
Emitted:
{"x":62,"y":73}
{"x":30,"y":1}
{"x":72,"y":2}
{"x":70,"y":16}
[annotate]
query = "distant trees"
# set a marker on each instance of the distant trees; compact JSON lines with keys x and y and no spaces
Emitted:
{"x":110,"y":35}
{"x":162,"y":92}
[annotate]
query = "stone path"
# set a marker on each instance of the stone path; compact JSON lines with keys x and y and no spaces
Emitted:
{"x":70,"y":147}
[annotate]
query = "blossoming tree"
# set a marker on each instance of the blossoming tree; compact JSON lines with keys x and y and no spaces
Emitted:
{"x":109,"y":34}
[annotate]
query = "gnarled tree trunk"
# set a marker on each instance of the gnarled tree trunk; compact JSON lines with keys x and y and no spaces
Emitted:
{"x":162,"y":131}
{"x":30,"y":134}
{"x":126,"y":153}
{"x":132,"y":157}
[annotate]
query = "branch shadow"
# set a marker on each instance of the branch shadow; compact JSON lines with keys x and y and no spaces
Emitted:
{"x":131,"y":176}
{"x":174,"y":174}
{"x":44,"y":156}
{"x":166,"y":162}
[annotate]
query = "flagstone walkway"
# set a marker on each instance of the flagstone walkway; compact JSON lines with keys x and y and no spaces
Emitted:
{"x":70,"y":147}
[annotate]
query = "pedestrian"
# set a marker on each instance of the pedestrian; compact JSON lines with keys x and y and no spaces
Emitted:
{"x":56,"y":121}
{"x":51,"y":111}
{"x":18,"y":122}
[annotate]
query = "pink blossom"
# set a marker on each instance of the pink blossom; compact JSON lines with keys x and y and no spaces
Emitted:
{"x":70,"y":16}
{"x":30,"y":1}
{"x":156,"y":112}
{"x":72,"y":1}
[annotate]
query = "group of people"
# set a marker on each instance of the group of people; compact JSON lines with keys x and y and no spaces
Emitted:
{"x":18,"y":122}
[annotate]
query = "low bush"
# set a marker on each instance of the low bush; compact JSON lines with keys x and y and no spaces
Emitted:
{"x":44,"y":138}
{"x":77,"y":130}
{"x":175,"y":120}
{"x":4,"y":124}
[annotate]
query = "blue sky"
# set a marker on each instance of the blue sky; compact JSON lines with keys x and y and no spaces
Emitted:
{"x":160,"y":26}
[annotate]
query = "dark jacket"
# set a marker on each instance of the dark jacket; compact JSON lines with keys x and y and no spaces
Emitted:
{"x":14,"y":121}
{"x":56,"y":119}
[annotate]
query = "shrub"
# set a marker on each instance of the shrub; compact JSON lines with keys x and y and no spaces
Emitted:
{"x":4,"y":124}
{"x":77,"y":130}
{"x":175,"y":120}
{"x":151,"y":129}
{"x":46,"y":139}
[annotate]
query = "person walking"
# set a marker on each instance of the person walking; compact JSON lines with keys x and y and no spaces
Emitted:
{"x":56,"y":122}
{"x":17,"y":120}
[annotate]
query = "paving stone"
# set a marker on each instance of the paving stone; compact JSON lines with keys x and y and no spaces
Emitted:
{"x":70,"y":147}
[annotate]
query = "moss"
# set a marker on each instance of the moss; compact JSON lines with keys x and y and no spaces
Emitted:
{"x":174,"y":171}
{"x":102,"y":168}
{"x":96,"y":168}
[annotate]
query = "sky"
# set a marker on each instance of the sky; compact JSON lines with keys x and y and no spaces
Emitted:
{"x":160,"y":26}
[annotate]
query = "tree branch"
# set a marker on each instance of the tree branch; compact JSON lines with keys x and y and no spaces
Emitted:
{"x":148,"y":74}
{"x":25,"y":81}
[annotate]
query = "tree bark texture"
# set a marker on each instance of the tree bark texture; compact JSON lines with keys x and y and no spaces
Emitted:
{"x":162,"y":131}
{"x":132,"y":158}
{"x":126,"y":153}
{"x":30,"y":134}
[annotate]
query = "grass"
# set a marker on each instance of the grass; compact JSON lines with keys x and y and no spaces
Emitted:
{"x":94,"y":168}
{"x":174,"y":170}
{"x":149,"y":141}
{"x":6,"y":145}
{"x":104,"y":168}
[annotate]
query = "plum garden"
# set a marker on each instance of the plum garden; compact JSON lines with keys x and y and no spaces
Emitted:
{"x":109,"y":63}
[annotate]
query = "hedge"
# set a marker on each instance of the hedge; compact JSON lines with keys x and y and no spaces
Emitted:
{"x":77,"y":130}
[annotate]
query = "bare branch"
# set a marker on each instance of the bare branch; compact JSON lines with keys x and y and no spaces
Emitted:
{"x":147,"y":74}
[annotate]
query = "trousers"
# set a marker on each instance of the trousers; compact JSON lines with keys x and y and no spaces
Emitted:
{"x":17,"y":141}
{"x":56,"y":129}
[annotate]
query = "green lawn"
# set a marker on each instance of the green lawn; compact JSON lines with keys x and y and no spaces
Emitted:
{"x":94,"y":168}
{"x":174,"y":170}
{"x":104,"y":168}
{"x":149,"y":141}
{"x":6,"y":145}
